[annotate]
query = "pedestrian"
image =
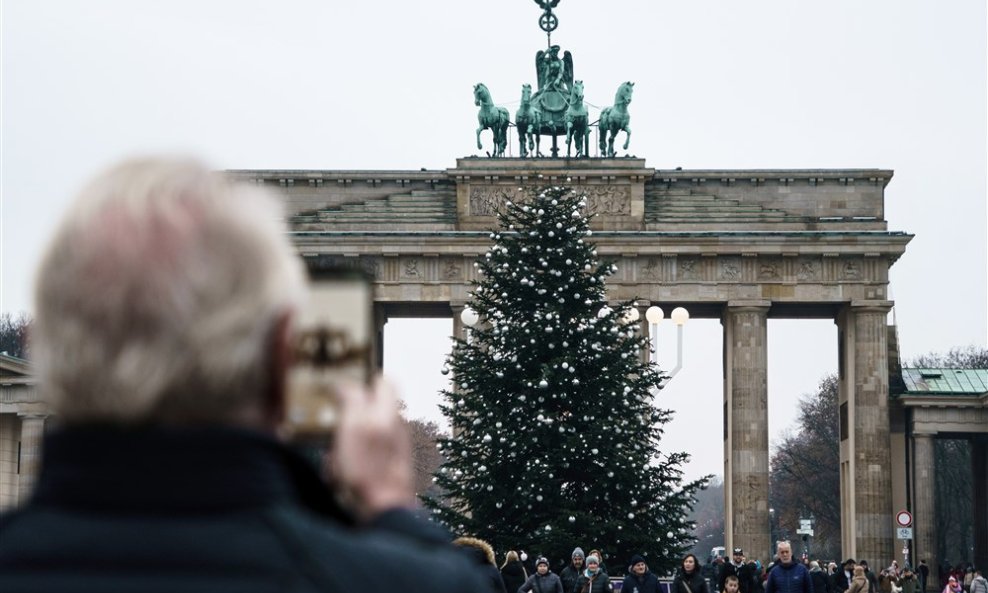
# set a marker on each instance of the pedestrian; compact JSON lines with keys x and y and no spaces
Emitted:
{"x":978,"y":584}
{"x":924,"y":573}
{"x":859,"y":582}
{"x":952,"y":585}
{"x":483,"y":555}
{"x":162,"y":338}
{"x":593,"y":579}
{"x":788,"y":576}
{"x":600,"y":555}
{"x":968,"y":577}
{"x":739,"y":568}
{"x":640,"y":579}
{"x":572,"y":572}
{"x":908,"y":581}
{"x":872,"y":579}
{"x":731,"y":585}
{"x":543,"y":581}
{"x":513,"y":572}
{"x":842,"y":580}
{"x":821,"y":583}
{"x":688,"y":578}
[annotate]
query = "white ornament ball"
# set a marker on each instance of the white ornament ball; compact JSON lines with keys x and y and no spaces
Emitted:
{"x":543,"y":383}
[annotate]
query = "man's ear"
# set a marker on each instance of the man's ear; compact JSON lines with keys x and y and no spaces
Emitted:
{"x":280,"y":356}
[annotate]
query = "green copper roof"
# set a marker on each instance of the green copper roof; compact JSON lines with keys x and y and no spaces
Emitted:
{"x":945,"y":381}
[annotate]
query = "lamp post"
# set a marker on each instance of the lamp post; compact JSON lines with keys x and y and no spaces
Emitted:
{"x":679,"y":316}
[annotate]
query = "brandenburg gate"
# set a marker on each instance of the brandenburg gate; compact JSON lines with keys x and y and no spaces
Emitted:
{"x":741,"y":246}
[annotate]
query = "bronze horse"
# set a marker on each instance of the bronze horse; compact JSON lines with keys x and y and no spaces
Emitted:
{"x":616,"y":118}
{"x":577,"y":122}
{"x":528,"y":120}
{"x":493,"y":117}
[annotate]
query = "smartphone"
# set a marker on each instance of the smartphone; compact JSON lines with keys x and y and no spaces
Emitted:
{"x":334,"y":343}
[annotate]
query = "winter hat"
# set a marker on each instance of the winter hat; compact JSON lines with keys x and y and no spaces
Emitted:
{"x":578,"y":553}
{"x":952,"y":579}
{"x":592,"y":558}
{"x":542,"y":560}
{"x":636,"y":559}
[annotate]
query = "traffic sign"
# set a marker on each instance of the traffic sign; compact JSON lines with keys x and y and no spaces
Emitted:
{"x":808,"y":532}
{"x":904,"y":519}
{"x":806,"y":523}
{"x":904,"y":533}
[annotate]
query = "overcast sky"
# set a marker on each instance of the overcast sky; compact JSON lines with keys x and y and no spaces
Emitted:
{"x":894,"y":84}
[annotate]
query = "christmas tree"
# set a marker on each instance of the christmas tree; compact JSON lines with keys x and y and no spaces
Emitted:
{"x":555,"y":432}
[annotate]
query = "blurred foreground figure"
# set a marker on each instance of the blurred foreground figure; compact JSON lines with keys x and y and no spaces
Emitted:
{"x":162,"y":341}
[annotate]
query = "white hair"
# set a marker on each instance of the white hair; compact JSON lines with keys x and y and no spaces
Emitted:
{"x":157,"y":298}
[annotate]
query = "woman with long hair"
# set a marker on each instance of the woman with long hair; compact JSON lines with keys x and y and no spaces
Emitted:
{"x":688,"y":578}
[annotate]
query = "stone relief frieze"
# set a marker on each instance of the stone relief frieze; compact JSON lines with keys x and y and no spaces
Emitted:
{"x":808,"y":270}
{"x":652,"y":269}
{"x":730,"y":269}
{"x":769,"y":269}
{"x":688,"y":269}
{"x":851,"y":270}
{"x":410,"y":269}
{"x":486,"y":200}
{"x":606,"y":200}
{"x":452,"y":270}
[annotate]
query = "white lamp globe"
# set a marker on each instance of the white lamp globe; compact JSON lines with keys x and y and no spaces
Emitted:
{"x":631,"y":315}
{"x":654,"y":315}
{"x":604,"y":312}
{"x":469,"y":317}
{"x":680,"y":316}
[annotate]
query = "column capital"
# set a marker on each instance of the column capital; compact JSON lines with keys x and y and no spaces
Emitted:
{"x":871,"y":306}
{"x":748,"y":305}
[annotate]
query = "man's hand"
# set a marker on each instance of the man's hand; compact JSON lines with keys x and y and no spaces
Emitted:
{"x":371,"y":460}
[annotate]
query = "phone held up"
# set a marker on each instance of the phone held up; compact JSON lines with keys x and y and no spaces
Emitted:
{"x":334,"y":344}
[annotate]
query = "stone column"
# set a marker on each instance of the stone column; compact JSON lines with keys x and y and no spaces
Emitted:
{"x":979,"y":473}
{"x":32,"y":433}
{"x":866,"y":485}
{"x":924,"y":519}
{"x":746,"y":421}
{"x":380,"y":320}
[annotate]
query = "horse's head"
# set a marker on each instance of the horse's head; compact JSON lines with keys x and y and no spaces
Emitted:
{"x":526,"y":93}
{"x":576,"y":93}
{"x":624,"y":92}
{"x":481,"y":94}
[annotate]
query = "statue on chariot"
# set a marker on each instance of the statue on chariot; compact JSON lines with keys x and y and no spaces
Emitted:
{"x":555,"y":109}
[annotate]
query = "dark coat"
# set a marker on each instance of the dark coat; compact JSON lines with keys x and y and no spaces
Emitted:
{"x":647,"y":583}
{"x":570,"y":575}
{"x":689,"y":583}
{"x":547,"y":583}
{"x":598,"y":584}
{"x":745,"y":574}
{"x":789,"y":578}
{"x":513,"y":575}
{"x":821,"y":582}
{"x":207,"y":510}
{"x":841,"y":581}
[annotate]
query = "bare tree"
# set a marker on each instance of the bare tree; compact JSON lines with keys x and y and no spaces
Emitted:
{"x":14,"y":334}
{"x":805,"y":471}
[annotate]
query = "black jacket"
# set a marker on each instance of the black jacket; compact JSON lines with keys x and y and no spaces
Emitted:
{"x":689,"y":583}
{"x":513,"y":575}
{"x":599,"y":584}
{"x":647,"y":583}
{"x":821,"y":582}
{"x":206,"y":510}
{"x":745,"y":574}
{"x":570,"y":575}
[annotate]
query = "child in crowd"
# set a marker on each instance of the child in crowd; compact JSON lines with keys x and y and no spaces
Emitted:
{"x":731,"y":584}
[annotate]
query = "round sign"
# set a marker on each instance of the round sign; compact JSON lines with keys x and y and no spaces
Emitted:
{"x":904,"y":518}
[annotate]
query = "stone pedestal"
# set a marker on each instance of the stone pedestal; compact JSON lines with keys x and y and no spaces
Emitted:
{"x":866,"y":488}
{"x":32,"y":434}
{"x":746,"y":419}
{"x":924,"y":519}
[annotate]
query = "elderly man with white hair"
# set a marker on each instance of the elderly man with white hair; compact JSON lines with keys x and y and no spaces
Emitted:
{"x":162,"y":340}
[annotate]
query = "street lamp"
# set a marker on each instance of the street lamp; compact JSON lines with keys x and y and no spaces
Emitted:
{"x":469,"y":318}
{"x":679,"y":316}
